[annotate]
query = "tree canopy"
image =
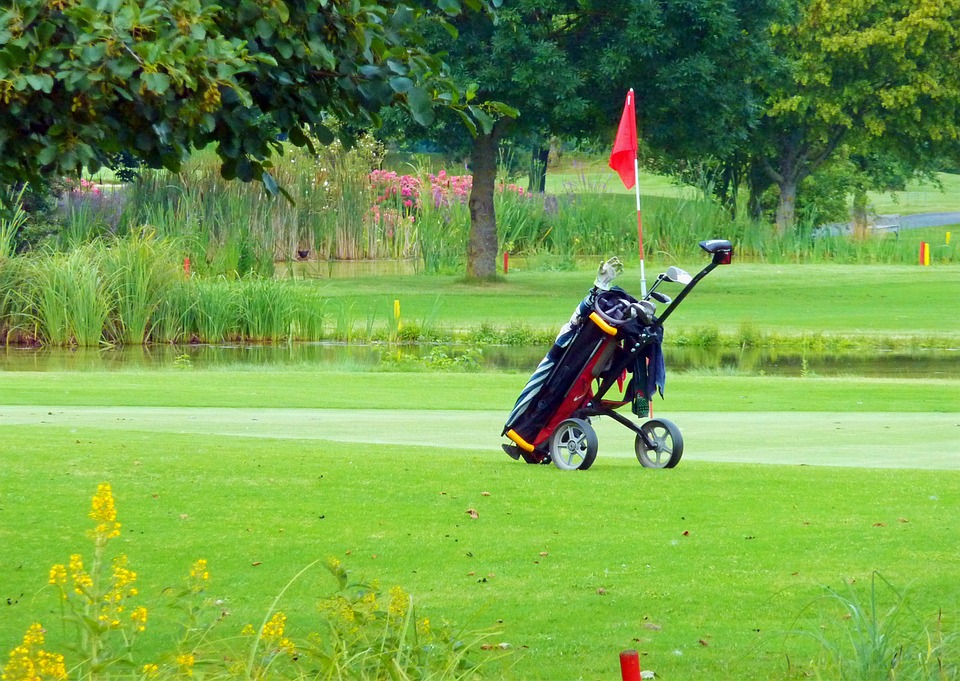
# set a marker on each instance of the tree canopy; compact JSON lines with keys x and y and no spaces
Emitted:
{"x":868,"y":74}
{"x":81,"y":80}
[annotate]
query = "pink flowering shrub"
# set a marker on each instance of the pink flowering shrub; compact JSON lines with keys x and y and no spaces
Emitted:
{"x":82,"y":187}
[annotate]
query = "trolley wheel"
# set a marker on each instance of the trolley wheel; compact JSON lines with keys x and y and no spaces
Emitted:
{"x":667,"y":444}
{"x":573,"y":445}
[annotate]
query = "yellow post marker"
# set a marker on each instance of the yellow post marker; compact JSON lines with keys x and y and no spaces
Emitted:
{"x":948,"y":238}
{"x":396,"y":313}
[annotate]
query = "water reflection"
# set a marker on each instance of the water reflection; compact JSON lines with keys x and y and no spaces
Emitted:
{"x":917,"y":364}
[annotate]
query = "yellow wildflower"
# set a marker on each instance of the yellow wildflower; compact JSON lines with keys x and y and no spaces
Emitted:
{"x":34,"y":636}
{"x":80,"y":578}
{"x":123,"y":577}
{"x":150,"y":671}
{"x":104,"y":512}
{"x":186,"y":662}
{"x":423,"y":626}
{"x":273,"y":630}
{"x":139,"y":618}
{"x":199,"y":570}
{"x":248,"y":630}
{"x":27,"y":662}
{"x":58,"y":574}
{"x":370,"y":599}
{"x":399,"y":602}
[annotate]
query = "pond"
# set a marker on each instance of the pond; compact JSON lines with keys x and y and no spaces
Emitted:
{"x":338,"y":356}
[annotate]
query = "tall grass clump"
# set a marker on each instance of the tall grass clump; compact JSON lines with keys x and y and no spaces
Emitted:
{"x":71,"y":296}
{"x":140,"y":270}
{"x":234,"y":228}
{"x":871,"y":633}
{"x":110,"y":631}
{"x":12,"y":219}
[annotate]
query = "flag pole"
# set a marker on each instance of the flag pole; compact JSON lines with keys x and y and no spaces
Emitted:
{"x":625,"y":148}
{"x":636,"y":177}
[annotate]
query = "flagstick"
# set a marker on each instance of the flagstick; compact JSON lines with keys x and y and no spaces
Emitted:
{"x":636,"y":177}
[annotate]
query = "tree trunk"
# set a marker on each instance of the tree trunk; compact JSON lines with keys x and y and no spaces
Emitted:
{"x":861,"y":222}
{"x":786,"y":205}
{"x":758,"y":180}
{"x":538,"y":168}
{"x":482,"y":244}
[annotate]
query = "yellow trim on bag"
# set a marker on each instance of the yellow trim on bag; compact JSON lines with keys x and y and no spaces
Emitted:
{"x":523,"y":444}
{"x":595,"y":318}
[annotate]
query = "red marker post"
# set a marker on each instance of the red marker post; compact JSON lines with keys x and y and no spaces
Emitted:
{"x":506,"y":262}
{"x":186,"y":266}
{"x":630,"y":665}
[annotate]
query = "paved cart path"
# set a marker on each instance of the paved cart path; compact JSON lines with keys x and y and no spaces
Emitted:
{"x":912,"y":440}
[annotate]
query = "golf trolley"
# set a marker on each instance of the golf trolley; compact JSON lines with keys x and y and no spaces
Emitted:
{"x":611,"y":339}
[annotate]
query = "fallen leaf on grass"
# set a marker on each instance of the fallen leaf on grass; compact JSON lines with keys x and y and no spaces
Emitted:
{"x":484,"y":494}
{"x":472,"y":512}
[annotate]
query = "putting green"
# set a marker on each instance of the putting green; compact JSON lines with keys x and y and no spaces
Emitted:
{"x":875,"y":440}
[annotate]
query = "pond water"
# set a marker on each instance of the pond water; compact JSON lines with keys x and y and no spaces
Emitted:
{"x":916,"y":364}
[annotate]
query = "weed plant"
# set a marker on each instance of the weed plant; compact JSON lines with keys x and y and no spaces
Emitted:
{"x":364,"y":633}
{"x":872,"y":633}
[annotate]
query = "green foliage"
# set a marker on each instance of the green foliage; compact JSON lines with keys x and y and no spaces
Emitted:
{"x":879,"y":76}
{"x":81,"y":81}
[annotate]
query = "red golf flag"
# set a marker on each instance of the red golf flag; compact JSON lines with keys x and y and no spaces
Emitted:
{"x":625,"y":146}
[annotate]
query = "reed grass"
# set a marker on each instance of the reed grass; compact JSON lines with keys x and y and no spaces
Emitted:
{"x":141,"y":271}
{"x":70,"y":296}
{"x":12,"y":223}
{"x":342,"y":211}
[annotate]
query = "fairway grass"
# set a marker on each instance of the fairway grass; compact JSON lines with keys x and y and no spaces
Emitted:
{"x":711,"y":570}
{"x":705,"y":569}
{"x":884,"y":302}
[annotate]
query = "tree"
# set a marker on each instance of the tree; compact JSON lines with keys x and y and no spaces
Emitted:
{"x":865,"y":74}
{"x":81,"y":80}
{"x":517,"y":58}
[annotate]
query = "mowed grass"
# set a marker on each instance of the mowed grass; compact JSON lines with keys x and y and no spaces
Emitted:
{"x":710,"y":570}
{"x":705,"y":569}
{"x":781,"y":299}
{"x":593,"y":174}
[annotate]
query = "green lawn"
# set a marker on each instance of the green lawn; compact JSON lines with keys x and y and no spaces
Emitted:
{"x":705,"y":569}
{"x":786,"y":300}
{"x":592,"y":174}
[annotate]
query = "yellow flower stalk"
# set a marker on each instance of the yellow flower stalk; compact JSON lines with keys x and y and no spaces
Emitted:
{"x":104,"y":512}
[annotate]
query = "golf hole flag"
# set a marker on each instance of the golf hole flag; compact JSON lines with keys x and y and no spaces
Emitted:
{"x":624,"y":155}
